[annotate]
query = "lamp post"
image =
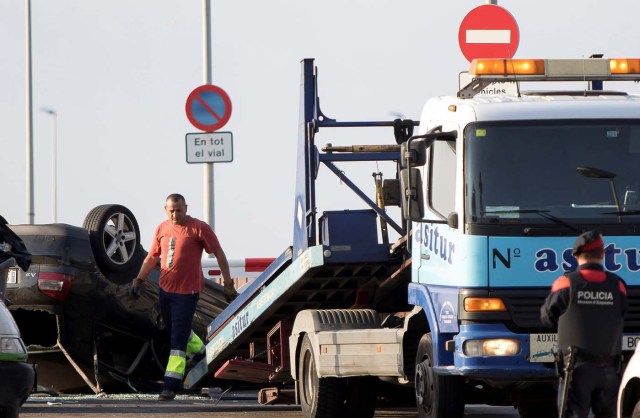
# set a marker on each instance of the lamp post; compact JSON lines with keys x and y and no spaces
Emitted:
{"x":209,"y":200}
{"x":54,"y":164}
{"x":29,"y":173}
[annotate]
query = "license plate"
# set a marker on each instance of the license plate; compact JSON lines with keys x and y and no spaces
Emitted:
{"x":12,"y":276}
{"x":542,"y":346}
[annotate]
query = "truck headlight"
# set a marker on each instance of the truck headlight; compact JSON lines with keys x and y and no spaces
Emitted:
{"x":491,"y":347}
{"x":12,"y":348}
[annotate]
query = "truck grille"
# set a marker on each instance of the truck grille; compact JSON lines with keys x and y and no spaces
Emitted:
{"x":524,"y":307}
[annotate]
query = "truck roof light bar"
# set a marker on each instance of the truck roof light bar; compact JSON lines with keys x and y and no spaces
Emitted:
{"x":487,"y":71}
{"x":625,"y":65}
{"x":506,"y":67}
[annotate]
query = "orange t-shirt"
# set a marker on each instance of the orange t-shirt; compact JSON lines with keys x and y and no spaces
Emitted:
{"x":180,"y":249}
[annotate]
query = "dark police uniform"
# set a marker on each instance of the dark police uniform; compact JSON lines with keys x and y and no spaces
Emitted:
{"x":587,"y":307}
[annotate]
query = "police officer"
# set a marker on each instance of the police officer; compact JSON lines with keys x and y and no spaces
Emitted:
{"x":587,"y":307}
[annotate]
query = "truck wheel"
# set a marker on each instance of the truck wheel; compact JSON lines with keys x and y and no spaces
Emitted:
{"x":318,"y":397}
{"x":436,"y":396}
{"x":114,"y":235}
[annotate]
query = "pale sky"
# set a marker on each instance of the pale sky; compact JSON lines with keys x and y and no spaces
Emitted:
{"x":118,"y":73}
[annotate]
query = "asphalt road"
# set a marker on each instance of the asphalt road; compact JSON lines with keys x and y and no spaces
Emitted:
{"x":229,"y":405}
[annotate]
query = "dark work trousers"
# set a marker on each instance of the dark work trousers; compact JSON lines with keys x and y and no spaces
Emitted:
{"x":592,"y":386}
{"x":177,"y":313}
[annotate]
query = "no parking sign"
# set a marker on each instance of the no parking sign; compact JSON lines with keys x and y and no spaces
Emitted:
{"x":208,"y":108}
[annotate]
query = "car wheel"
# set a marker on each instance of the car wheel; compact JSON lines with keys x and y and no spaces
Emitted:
{"x":114,"y":235}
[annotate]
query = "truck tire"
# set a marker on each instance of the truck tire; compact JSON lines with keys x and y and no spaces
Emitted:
{"x":318,"y":397}
{"x":114,"y":235}
{"x":436,"y":396}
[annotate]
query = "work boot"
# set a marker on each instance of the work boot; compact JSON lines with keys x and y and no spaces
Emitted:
{"x":230,"y":292}
{"x":167,"y":395}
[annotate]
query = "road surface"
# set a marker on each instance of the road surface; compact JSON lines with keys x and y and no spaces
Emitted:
{"x":229,"y":405}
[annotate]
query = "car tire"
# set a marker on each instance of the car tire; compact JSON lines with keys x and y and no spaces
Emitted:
{"x":115,"y":237}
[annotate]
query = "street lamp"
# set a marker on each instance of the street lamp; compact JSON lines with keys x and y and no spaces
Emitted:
{"x":29,"y":96}
{"x":54,"y":163}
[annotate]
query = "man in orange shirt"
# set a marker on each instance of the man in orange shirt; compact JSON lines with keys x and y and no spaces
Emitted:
{"x":178,"y":243}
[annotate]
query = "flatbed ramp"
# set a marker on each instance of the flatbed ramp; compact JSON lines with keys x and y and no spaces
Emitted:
{"x":311,"y":281}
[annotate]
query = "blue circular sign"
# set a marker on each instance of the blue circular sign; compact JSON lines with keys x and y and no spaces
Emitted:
{"x":208,"y":108}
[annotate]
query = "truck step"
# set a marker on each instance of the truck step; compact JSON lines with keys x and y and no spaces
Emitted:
{"x":245,"y":370}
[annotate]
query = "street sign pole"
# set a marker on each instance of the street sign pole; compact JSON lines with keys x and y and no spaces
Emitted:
{"x":29,"y":103}
{"x":209,"y":202}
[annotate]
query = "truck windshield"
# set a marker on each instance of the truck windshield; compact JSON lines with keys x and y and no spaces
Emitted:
{"x":517,"y":170}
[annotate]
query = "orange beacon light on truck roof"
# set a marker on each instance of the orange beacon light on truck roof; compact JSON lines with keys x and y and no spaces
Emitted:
{"x":555,"y":68}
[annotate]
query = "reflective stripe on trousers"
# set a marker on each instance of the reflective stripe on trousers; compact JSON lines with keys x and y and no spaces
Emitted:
{"x":194,"y":345}
{"x":176,"y":364}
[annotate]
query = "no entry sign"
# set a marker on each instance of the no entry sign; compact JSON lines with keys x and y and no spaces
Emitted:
{"x":488,"y":31}
{"x":208,"y":108}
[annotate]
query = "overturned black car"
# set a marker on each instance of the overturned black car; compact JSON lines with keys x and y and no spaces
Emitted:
{"x":74,"y":310}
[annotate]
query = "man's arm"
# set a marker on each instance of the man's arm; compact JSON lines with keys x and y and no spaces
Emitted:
{"x":223,"y":263}
{"x":549,"y":313}
{"x":556,"y":303}
{"x":147,"y":267}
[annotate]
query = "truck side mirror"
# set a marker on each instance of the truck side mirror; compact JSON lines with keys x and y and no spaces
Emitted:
{"x":452,"y":220}
{"x":416,"y":151}
{"x":391,"y":195}
{"x":411,"y":188}
{"x":413,"y":152}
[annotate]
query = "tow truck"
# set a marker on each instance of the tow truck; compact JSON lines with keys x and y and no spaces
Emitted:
{"x":444,"y":297}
